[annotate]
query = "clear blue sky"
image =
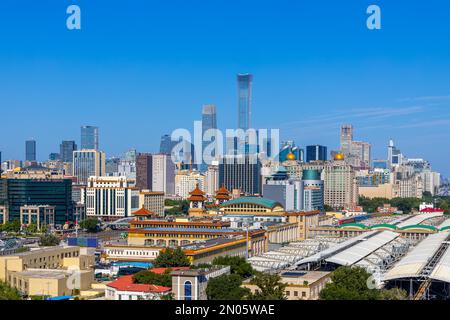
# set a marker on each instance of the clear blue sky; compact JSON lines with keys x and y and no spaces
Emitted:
{"x":141,"y":68}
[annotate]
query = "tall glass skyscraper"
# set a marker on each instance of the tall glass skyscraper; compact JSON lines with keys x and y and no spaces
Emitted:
{"x":245,"y":82}
{"x":30,"y":150}
{"x":89,"y":138}
{"x":66,"y":150}
{"x":209,"y":121}
{"x":316,"y":152}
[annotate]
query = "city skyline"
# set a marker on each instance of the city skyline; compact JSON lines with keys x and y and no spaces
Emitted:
{"x":310,"y":75}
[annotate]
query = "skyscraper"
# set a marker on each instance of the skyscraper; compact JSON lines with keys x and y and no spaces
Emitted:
{"x":89,"y":138}
{"x":241,"y":172}
{"x":163,"y":174}
{"x":66,"y":150}
{"x":316,"y":152}
{"x":346,"y":139}
{"x":144,"y":171}
{"x":245,"y":82}
{"x":209,"y":121}
{"x":166,"y":144}
{"x":87,"y":163}
{"x":30,"y":150}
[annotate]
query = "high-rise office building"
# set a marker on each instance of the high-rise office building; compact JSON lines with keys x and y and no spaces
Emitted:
{"x":144,"y":171}
{"x":209,"y":121}
{"x":241,"y":172}
{"x":109,"y":198}
{"x":163,"y":174}
{"x":18,"y":192}
{"x":166,"y":144}
{"x":363,"y":152}
{"x":316,"y":153}
{"x":30,"y":150}
{"x":87,"y":163}
{"x":341,"y":184}
{"x":346,"y":139}
{"x":245,"y":83}
{"x":66,"y":150}
{"x":89,"y":138}
{"x":212,"y":179}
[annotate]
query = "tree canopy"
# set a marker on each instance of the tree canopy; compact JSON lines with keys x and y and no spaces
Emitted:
{"x":269,"y":287}
{"x":350,"y":283}
{"x":226,"y":287}
{"x":237,"y":265}
{"x":8,"y":293}
{"x":10,"y":226}
{"x":90,"y":224}
{"x":171,"y":258}
{"x":48,"y":240}
{"x":148,"y":277}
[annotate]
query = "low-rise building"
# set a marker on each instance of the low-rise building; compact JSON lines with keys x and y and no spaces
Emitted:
{"x":301,"y":285}
{"x":191,"y":284}
{"x":38,"y":215}
{"x":50,"y":271}
{"x":124,"y":289}
{"x":152,"y":201}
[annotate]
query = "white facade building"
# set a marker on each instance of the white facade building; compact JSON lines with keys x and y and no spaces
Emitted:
{"x":109,"y":198}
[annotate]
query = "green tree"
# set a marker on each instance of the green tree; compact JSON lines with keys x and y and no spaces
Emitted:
{"x":393,"y":294}
{"x":90,"y":224}
{"x":269,"y":287}
{"x":48,"y":240}
{"x":237,"y":265}
{"x":327,"y":208}
{"x":226,"y":287}
{"x":32,"y":228}
{"x":8,"y":293}
{"x":13,"y":226}
{"x":171,"y":258}
{"x":349,"y":283}
{"x":148,"y":277}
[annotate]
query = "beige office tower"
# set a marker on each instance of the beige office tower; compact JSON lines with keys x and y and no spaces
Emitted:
{"x":212,"y":179}
{"x":341,"y":187}
{"x":88,"y":163}
{"x":346,"y":139}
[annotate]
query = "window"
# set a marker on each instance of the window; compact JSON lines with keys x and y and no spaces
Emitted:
{"x":188,"y":290}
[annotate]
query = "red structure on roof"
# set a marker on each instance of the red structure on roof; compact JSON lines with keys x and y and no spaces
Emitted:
{"x":125,"y":283}
{"x":143,"y":212}
{"x":162,"y":270}
{"x":432,"y":210}
{"x":223,"y":193}
{"x":197,"y":194}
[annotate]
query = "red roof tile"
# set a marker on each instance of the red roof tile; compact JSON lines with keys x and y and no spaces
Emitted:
{"x":162,"y":270}
{"x":125,"y":283}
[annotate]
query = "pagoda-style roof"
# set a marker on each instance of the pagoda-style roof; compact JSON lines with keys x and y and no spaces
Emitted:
{"x":197,"y":194}
{"x":223,"y":193}
{"x":143,"y":212}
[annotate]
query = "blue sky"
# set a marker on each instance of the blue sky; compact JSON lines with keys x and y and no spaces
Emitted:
{"x":141,"y":68}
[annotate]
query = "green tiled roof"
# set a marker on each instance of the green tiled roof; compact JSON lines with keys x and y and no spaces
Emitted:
{"x":252,"y":200}
{"x":419,"y":226}
{"x":357,"y":225}
{"x":383,"y":225}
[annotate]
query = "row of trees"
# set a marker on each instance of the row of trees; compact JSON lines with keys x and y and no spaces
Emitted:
{"x":404,"y":204}
{"x":351,"y":283}
{"x":8,"y":293}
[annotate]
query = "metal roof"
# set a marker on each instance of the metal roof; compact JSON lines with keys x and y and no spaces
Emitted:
{"x":418,"y":219}
{"x":412,"y":264}
{"x":441,"y":271}
{"x":330,"y":251}
{"x":361,"y":250}
{"x":253,"y":200}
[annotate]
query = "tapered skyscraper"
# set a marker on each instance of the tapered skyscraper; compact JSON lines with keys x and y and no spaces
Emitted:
{"x":245,"y":82}
{"x":209,"y":121}
{"x":89,"y":138}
